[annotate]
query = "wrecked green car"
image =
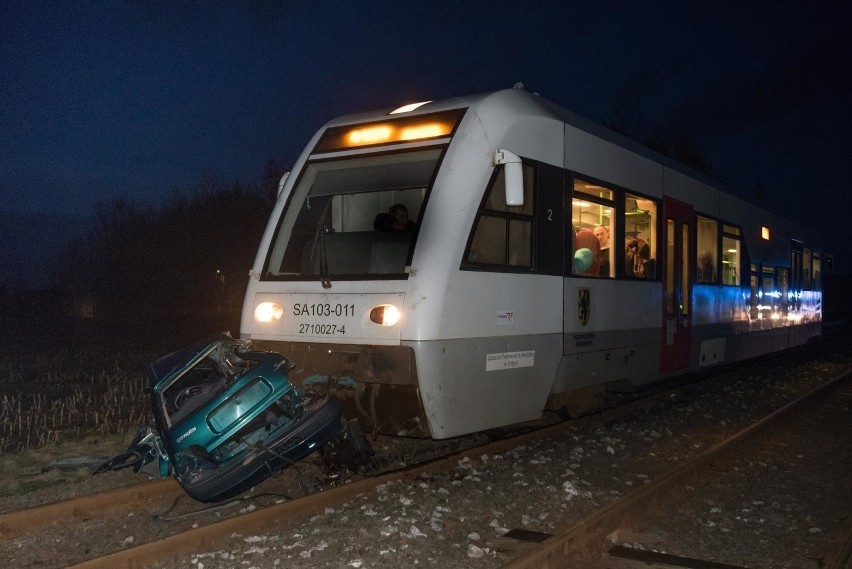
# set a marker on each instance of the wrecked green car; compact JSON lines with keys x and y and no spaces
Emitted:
{"x":227,"y":418}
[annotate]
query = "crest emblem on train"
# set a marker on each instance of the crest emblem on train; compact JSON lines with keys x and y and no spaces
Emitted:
{"x":584,"y":305}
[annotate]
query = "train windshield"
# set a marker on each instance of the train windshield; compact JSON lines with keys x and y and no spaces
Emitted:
{"x":353,"y":217}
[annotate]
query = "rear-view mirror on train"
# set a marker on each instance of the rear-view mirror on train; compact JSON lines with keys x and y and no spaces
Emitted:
{"x":513,"y":174}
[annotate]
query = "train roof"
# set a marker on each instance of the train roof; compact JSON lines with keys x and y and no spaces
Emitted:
{"x":522,"y":102}
{"x":517,"y":100}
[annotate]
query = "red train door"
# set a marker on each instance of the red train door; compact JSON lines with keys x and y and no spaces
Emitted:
{"x":677,"y":312}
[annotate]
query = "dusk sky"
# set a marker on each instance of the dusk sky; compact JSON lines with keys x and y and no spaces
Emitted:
{"x":107,"y":99}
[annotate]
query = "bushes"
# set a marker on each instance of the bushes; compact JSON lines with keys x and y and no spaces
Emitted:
{"x":143,"y":282}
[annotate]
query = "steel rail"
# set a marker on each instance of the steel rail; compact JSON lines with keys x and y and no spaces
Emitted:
{"x":586,"y":539}
{"x":842,"y":557}
{"x":13,"y":524}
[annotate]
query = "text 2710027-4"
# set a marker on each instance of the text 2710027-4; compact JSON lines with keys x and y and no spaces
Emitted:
{"x":321,"y":329}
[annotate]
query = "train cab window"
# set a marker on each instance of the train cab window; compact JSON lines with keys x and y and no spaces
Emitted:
{"x":640,"y":236}
{"x":592,"y":217}
{"x":502,"y":236}
{"x":332,"y":228}
{"x":706,"y":246}
{"x":731,"y":254}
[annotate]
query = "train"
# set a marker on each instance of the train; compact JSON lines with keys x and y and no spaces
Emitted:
{"x":458,"y":266}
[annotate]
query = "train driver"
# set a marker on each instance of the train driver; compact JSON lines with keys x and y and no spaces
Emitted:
{"x":395,"y":220}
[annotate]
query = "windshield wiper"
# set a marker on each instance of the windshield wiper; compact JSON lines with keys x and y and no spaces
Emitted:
{"x":325,"y":276}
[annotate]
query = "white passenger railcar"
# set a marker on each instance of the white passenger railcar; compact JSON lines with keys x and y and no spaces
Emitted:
{"x":545,"y":261}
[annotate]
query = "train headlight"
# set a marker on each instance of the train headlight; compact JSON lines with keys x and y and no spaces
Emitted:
{"x":385,"y":315}
{"x":268,"y":312}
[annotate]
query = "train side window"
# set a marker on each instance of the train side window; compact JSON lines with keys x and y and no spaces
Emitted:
{"x":806,"y":269}
{"x":754,"y":280}
{"x":731,"y":254}
{"x":783,"y":290}
{"x":502,"y":236}
{"x":768,"y":296}
{"x":520,"y":251}
{"x":795,"y":276}
{"x":796,"y":269}
{"x":706,"y":246}
{"x":817,"y":280}
{"x":640,"y":237}
{"x":592,"y":217}
{"x":496,"y":198}
{"x":767,"y":283}
{"x":489,"y":241}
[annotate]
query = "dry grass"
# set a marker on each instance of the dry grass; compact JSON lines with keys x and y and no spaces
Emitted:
{"x":34,"y":469}
{"x":52,"y":398}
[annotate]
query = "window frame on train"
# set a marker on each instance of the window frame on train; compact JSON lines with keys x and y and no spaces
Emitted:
{"x":651,"y":208}
{"x":279,"y":252}
{"x":589,"y":194}
{"x":490,"y":245}
{"x":726,"y":248}
{"x":706,"y":249}
{"x":732,"y":245}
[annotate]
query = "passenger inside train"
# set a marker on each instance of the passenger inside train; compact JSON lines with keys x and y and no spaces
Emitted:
{"x":631,"y":255}
{"x":706,"y":272}
{"x":587,"y":258}
{"x":645,"y":266}
{"x":602,"y":233}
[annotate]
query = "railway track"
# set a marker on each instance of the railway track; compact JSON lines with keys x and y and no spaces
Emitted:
{"x":157,"y":495}
{"x":198,"y":533}
{"x":586,"y":541}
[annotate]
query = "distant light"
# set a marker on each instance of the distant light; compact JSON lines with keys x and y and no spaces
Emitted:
{"x":408,"y":108}
{"x":764,"y":232}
